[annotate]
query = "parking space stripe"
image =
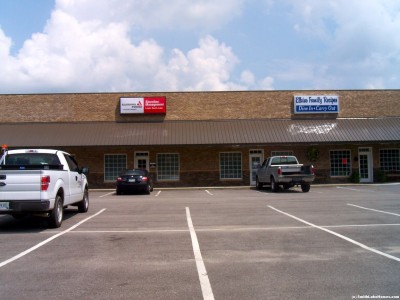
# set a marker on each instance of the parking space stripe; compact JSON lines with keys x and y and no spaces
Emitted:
{"x":108,"y":194}
{"x":22,"y":254}
{"x":357,"y":190}
{"x":208,"y":192}
{"x":201,"y":268}
{"x":338,"y":235}
{"x":381,"y":211}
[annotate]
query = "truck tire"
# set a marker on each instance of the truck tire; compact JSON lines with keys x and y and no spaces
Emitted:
{"x":305,"y":188}
{"x":83,"y":206}
{"x":56,"y":215}
{"x":259,"y":185}
{"x":274,"y":185}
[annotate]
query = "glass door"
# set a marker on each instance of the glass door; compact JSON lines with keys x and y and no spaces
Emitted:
{"x":142,"y":160}
{"x":365,"y":164}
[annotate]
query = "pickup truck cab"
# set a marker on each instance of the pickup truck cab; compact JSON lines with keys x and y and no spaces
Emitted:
{"x":42,"y":182}
{"x":285,"y":171}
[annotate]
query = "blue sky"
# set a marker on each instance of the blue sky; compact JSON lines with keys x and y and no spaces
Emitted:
{"x":49,"y":46}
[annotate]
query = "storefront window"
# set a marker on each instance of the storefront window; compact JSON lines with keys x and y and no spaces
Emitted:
{"x":113,"y":165}
{"x":390,"y":160}
{"x":230,"y":165}
{"x":168,"y":166}
{"x":340,"y":162}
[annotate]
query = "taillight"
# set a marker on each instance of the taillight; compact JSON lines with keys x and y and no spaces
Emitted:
{"x":279,"y":171}
{"x":144,"y":178}
{"x":312,"y":170}
{"x":45,"y":182}
{"x":119,"y":179}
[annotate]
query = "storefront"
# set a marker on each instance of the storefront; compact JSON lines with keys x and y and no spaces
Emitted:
{"x":213,"y":138}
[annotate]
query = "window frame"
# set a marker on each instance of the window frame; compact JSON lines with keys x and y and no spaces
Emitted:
{"x":178,"y":171}
{"x":119,"y":171}
{"x":349,"y":163}
{"x":221,"y":167}
{"x":391,"y":171}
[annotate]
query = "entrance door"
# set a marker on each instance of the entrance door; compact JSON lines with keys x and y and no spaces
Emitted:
{"x":255,"y":159}
{"x":365,"y":164}
{"x":142,"y":160}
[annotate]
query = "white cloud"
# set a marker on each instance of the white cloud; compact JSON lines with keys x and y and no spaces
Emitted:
{"x":113,"y":45}
{"x":86,"y":46}
{"x":150,"y":14}
{"x":356,"y":43}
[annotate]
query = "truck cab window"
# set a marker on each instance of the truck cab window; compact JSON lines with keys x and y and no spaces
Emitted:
{"x":73,"y":166}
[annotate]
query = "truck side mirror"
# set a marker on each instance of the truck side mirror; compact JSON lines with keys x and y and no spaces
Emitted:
{"x":85,"y":170}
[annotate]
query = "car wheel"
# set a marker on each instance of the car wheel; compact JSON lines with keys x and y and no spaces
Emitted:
{"x":83,"y":206}
{"x":148,"y":189}
{"x":57,"y":214}
{"x":259,"y":185}
{"x":119,"y":192}
{"x":274,"y":186}
{"x":305,"y":188}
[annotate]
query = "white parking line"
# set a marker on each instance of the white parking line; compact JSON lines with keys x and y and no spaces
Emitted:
{"x":338,"y":235}
{"x":201,"y":268}
{"x":22,"y":254}
{"x":357,"y":190}
{"x":381,"y":211}
{"x":158,"y":193}
{"x":223,"y":229}
{"x":208,"y":192}
{"x":108,"y":194}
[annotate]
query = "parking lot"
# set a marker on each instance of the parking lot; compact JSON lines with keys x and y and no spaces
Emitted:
{"x":335,"y":242}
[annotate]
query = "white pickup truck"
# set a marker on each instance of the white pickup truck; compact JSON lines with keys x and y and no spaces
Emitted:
{"x":285,"y":171}
{"x":41,"y":182}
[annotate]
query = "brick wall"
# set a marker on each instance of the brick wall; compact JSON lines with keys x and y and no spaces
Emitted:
{"x":191,"y":106}
{"x":199,"y":165}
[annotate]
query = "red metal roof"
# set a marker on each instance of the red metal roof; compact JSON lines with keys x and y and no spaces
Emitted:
{"x":268,"y":131}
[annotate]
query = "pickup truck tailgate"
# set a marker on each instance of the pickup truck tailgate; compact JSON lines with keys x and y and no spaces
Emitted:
{"x":291,"y":169}
{"x":20,"y":185}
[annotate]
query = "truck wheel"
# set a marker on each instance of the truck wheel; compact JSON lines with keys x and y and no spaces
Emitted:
{"x":274,"y":185}
{"x":305,"y":188}
{"x":259,"y":185}
{"x":56,"y":215}
{"x":83,"y":206}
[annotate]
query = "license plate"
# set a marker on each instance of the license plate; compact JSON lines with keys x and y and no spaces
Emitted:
{"x":4,"y":205}
{"x":132,"y":180}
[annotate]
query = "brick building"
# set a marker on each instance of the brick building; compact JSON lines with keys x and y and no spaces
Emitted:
{"x":212,"y":138}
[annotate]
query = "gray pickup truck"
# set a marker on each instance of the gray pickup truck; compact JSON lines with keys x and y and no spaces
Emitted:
{"x":285,"y":171}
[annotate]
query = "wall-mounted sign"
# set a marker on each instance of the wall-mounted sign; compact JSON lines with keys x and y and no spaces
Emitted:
{"x":315,"y":104}
{"x":146,"y":105}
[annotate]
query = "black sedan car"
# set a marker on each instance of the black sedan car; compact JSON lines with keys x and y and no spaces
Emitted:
{"x":136,"y":180}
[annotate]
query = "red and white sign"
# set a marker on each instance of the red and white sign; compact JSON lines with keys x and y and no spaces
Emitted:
{"x":146,"y":105}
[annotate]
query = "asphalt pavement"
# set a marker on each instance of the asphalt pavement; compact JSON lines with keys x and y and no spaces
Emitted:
{"x":335,"y":242}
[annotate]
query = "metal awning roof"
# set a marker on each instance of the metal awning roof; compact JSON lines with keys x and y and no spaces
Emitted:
{"x":260,"y":131}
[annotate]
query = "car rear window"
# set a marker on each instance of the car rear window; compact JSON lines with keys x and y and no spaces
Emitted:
{"x":284,"y":160}
{"x":28,"y":159}
{"x":134,"y":172}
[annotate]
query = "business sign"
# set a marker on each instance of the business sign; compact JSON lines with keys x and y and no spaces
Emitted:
{"x":314,"y":104}
{"x":146,"y":105}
